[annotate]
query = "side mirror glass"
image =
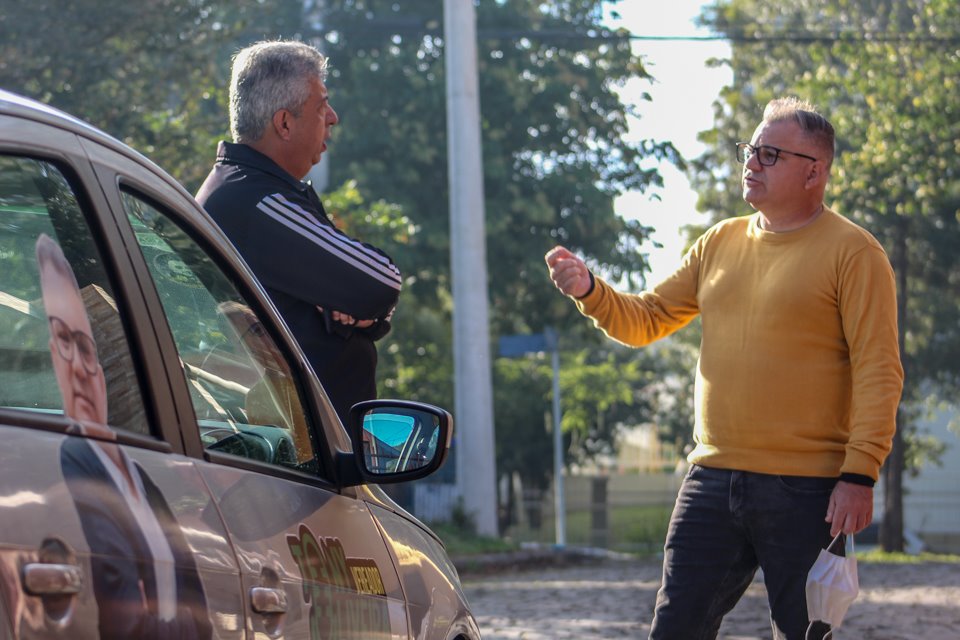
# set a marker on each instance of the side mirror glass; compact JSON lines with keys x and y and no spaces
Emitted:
{"x":395,"y":442}
{"x":398,"y":441}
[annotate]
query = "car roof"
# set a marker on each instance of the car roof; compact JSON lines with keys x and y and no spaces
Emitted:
{"x":20,"y":106}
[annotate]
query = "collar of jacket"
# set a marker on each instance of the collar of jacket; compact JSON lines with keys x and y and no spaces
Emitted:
{"x":243,"y":155}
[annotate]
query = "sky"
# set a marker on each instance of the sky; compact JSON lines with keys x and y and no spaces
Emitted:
{"x":683,"y":92}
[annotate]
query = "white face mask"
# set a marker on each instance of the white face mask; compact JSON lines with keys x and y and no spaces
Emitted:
{"x":832,"y":585}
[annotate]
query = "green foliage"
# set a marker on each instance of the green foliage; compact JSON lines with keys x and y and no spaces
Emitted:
{"x":604,"y":390}
{"x":153,"y":74}
{"x":381,"y":223}
{"x":461,"y":542}
{"x":460,"y":537}
{"x":641,"y":528}
{"x":633,"y":529}
{"x":898,"y":557}
{"x":675,"y":362}
{"x":601,"y":395}
{"x":554,"y":158}
{"x":522,"y":389}
{"x":414,"y":360}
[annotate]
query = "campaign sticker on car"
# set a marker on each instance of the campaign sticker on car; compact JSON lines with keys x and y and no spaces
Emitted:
{"x":330,"y":579}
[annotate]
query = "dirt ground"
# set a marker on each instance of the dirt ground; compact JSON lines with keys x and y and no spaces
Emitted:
{"x":604,"y":599}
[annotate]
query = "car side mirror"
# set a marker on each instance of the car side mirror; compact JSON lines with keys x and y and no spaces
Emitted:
{"x":394,"y":441}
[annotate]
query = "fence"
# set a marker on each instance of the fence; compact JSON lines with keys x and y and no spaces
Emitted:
{"x":618,"y":512}
{"x":630,"y":512}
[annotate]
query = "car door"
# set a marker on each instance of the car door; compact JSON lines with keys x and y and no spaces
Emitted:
{"x":313,"y":563}
{"x":106,"y":528}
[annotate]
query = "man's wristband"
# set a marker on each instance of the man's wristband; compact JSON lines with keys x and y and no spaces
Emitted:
{"x":856,"y":478}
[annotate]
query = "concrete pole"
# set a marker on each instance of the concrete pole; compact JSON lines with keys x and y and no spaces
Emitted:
{"x":559,"y":495}
{"x":473,"y":385}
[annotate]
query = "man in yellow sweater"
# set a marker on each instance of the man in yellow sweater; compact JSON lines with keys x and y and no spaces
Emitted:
{"x":797,"y":385}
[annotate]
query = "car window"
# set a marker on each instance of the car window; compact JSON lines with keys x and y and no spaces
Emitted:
{"x":63,"y":348}
{"x":246,"y":398}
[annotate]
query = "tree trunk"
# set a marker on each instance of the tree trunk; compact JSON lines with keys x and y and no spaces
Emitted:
{"x":891,"y":529}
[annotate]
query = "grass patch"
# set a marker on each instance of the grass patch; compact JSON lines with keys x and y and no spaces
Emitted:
{"x":633,"y":529}
{"x":894,"y":557}
{"x":463,"y":542}
{"x":630,"y":528}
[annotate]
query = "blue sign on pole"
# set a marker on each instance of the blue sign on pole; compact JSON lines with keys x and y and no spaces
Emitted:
{"x":518,"y":345}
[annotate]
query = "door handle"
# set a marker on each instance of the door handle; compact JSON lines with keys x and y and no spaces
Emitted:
{"x":268,"y":600}
{"x":51,"y":579}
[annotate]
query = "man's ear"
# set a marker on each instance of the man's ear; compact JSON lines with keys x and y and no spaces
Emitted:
{"x":281,"y":123}
{"x":817,"y":174}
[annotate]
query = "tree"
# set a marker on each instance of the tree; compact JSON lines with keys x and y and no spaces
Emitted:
{"x":552,"y":126}
{"x":153,"y":74}
{"x":554,"y":159}
{"x":884,"y":72}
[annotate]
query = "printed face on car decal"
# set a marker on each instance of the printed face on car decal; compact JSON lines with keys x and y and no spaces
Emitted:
{"x":144,"y":576}
{"x":73,"y":351}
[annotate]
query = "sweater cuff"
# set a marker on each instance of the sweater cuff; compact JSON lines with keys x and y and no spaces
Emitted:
{"x":856,"y":478}
{"x":593,"y":284}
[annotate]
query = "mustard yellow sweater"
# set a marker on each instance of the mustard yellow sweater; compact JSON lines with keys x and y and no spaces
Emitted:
{"x":799,"y":370}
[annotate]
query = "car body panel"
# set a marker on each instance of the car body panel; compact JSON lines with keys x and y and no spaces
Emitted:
{"x":436,"y":604}
{"x":37,"y":483}
{"x":321,"y":548}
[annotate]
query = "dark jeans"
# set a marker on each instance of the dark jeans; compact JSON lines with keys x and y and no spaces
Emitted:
{"x":724,"y":526}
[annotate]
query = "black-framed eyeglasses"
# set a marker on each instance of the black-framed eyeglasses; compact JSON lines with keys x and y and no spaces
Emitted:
{"x":71,"y":342}
{"x":766,"y":154}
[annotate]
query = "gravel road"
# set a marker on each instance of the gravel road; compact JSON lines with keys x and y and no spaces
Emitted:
{"x":602,"y":599}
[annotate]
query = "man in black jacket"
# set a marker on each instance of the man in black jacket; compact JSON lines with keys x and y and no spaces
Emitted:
{"x":336,"y":293}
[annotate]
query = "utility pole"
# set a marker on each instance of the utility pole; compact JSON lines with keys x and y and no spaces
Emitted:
{"x":549,"y":340}
{"x":559,"y":495}
{"x":473,"y":385}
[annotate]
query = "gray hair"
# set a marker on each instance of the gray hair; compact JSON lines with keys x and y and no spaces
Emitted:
{"x":269,"y":76}
{"x":805,"y":115}
{"x":49,"y":254}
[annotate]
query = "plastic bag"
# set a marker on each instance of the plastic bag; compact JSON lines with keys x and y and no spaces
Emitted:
{"x":832,"y":585}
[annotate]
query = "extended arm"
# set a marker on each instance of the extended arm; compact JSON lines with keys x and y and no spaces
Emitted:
{"x":632,"y":319}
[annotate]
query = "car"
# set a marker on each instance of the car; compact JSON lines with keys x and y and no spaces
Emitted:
{"x":171,"y":466}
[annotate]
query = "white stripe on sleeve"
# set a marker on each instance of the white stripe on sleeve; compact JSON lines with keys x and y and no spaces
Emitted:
{"x":351,"y":252}
{"x":298,"y":213}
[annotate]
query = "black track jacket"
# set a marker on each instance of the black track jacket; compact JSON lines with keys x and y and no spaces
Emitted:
{"x":278,"y":225}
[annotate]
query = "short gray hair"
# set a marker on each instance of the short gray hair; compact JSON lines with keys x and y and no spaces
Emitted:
{"x":49,"y":254}
{"x":269,"y":76}
{"x":805,"y":115}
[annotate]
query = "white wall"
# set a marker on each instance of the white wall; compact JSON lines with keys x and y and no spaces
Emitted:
{"x":931,"y":501}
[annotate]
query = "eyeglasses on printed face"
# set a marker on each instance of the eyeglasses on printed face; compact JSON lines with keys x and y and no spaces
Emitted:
{"x":70,"y":343}
{"x":766,"y":154}
{"x":256,"y":329}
